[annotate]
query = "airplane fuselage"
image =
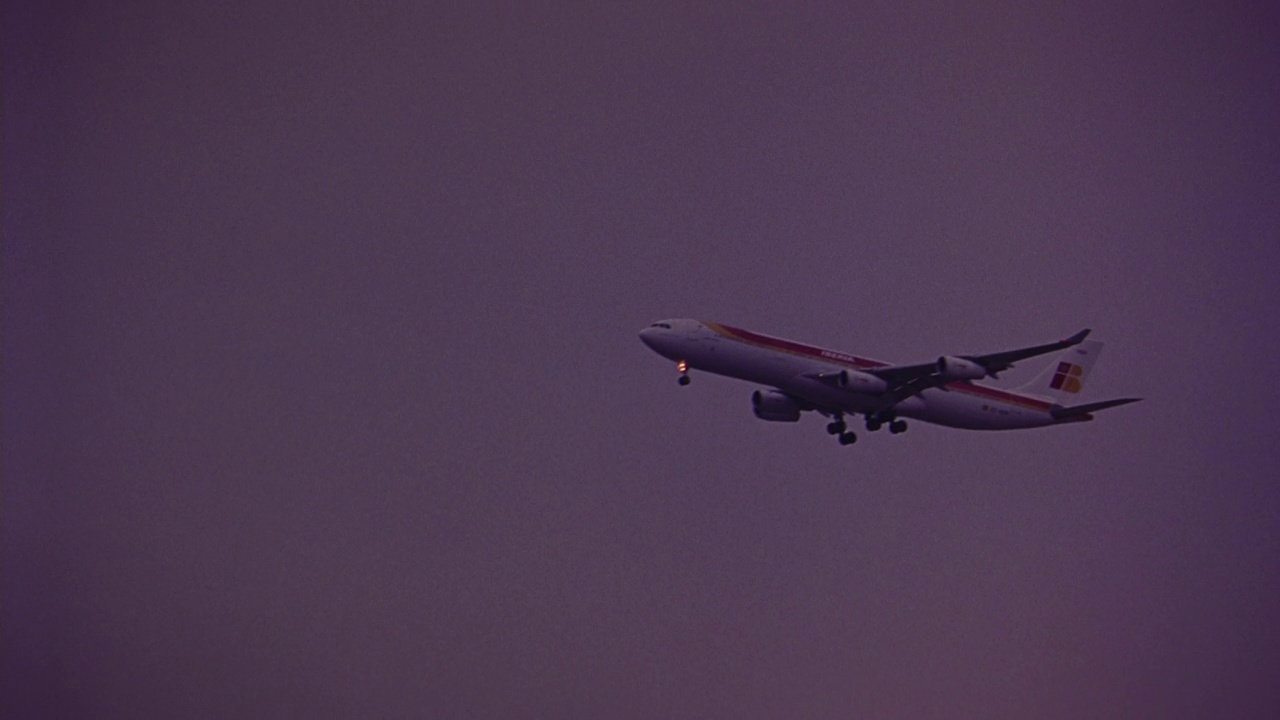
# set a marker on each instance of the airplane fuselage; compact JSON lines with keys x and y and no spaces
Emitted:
{"x":794,"y":369}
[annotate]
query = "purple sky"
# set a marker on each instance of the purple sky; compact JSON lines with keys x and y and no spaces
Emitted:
{"x":322,"y":394}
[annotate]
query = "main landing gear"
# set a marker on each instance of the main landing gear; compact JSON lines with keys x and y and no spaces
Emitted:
{"x":875,"y":421}
{"x":896,"y":427}
{"x":838,"y":427}
{"x":683,"y":367}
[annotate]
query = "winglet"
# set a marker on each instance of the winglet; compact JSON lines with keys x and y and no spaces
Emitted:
{"x":1078,"y":337}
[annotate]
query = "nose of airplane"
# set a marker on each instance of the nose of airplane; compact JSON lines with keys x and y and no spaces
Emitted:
{"x":648,"y":337}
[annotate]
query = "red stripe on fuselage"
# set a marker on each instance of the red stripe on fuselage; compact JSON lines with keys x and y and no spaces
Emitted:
{"x":794,"y":348}
{"x":816,"y":353}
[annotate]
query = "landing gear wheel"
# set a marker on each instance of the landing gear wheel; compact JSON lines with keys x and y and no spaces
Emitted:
{"x":848,"y":438}
{"x":684,"y":380}
{"x":898,"y":427}
{"x":835,"y":427}
{"x":873,"y":423}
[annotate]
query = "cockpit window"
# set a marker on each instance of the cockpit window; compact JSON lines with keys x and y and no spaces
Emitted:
{"x":662,"y":325}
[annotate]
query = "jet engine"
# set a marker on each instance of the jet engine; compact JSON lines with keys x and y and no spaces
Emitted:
{"x":954,"y":368}
{"x":861,"y":382}
{"x":774,"y":406}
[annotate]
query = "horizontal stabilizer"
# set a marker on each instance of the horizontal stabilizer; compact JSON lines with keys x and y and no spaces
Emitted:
{"x":1067,"y":413}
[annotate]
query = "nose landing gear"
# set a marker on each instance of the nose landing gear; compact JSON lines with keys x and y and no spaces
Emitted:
{"x":683,"y":367}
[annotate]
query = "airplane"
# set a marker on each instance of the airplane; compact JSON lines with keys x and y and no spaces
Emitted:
{"x":802,"y":378}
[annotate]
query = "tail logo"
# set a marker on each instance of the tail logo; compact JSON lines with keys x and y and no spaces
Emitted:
{"x":1067,"y":378}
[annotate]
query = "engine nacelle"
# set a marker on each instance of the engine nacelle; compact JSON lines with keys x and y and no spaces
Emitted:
{"x":774,"y":406}
{"x":954,"y":368}
{"x":857,"y":381}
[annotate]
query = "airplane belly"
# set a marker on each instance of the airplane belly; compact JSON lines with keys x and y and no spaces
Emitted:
{"x":828,"y":398}
{"x":957,"y":409}
{"x":747,"y":363}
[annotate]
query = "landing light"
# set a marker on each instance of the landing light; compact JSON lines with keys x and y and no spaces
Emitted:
{"x":682,"y":366}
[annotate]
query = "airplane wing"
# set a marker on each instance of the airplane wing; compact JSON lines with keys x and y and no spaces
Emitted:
{"x":996,"y":362}
{"x":907,"y":380}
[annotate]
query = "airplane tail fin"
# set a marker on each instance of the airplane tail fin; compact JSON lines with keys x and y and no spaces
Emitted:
{"x":1064,"y":379}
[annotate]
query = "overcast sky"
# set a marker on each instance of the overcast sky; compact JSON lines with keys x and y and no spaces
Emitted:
{"x":323,"y":396}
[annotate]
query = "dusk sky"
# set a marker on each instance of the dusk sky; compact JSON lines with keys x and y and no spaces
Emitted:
{"x":322,"y":395}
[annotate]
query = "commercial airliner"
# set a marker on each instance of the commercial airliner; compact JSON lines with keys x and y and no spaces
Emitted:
{"x":802,"y":378}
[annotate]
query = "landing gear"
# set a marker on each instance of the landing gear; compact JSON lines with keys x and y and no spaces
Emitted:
{"x":840,"y":429}
{"x":684,"y":380}
{"x":683,"y":367}
{"x":875,"y":421}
